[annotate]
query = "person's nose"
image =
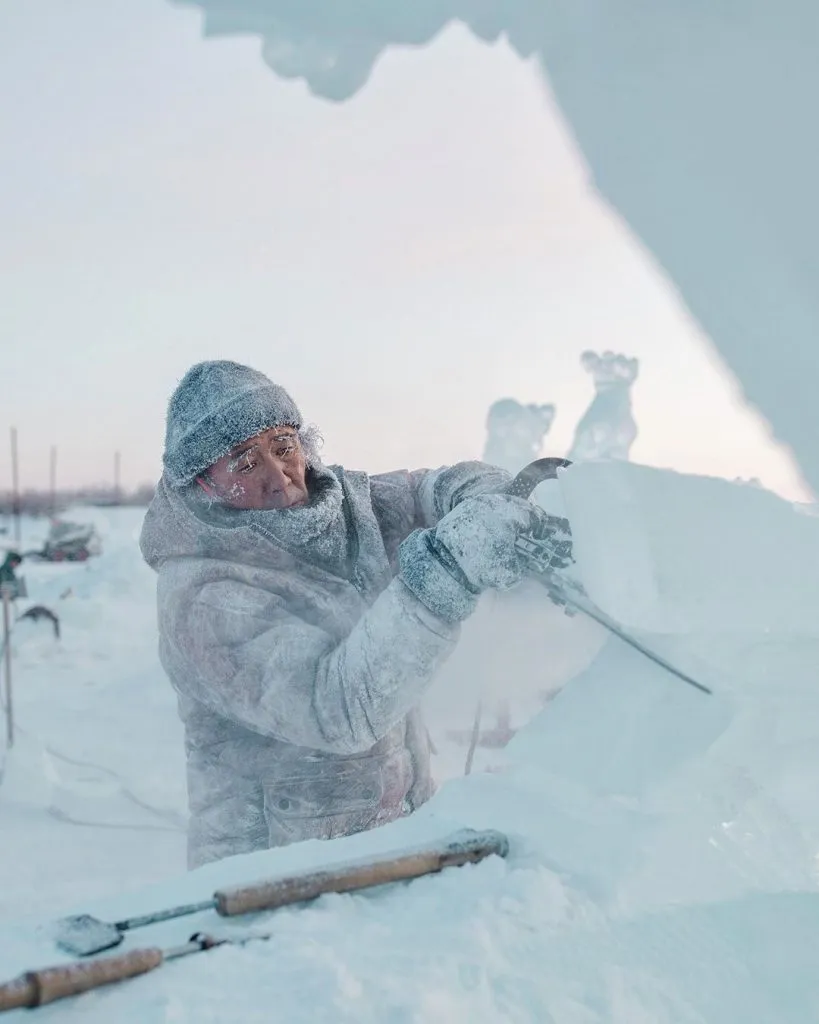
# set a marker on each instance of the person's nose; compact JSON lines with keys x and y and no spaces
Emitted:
{"x":275,"y":474}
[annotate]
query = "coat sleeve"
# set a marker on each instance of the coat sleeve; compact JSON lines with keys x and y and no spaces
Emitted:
{"x":438,"y":491}
{"x":238,"y":651}
{"x":404,"y":501}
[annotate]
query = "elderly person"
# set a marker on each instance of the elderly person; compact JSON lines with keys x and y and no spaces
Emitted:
{"x":304,"y":610}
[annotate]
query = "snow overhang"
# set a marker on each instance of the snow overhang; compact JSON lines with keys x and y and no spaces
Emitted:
{"x":696,"y":121}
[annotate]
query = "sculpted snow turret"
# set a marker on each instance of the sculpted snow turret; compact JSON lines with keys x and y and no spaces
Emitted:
{"x":515,"y":433}
{"x":607,"y":429}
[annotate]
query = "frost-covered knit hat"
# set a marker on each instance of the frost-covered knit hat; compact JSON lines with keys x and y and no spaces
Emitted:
{"x":217,"y":405}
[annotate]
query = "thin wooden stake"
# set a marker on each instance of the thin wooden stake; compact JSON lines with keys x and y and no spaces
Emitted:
{"x":15,"y":487}
{"x":7,"y":660}
{"x":473,"y":741}
{"x":117,"y":488}
{"x":53,"y":481}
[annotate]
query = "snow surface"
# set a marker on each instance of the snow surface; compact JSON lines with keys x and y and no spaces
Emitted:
{"x":663,"y":843}
{"x":93,"y":795}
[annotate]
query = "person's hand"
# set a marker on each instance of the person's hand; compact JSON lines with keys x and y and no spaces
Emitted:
{"x":477,"y":539}
{"x":545,"y":551}
{"x":549,"y":544}
{"x":485,"y":542}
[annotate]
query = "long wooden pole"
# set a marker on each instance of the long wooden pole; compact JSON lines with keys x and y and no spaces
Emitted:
{"x":7,"y":660}
{"x":15,"y":487}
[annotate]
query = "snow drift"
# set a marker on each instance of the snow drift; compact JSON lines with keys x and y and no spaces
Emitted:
{"x":663,"y":860}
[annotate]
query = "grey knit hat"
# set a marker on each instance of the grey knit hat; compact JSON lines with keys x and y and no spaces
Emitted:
{"x":217,"y":405}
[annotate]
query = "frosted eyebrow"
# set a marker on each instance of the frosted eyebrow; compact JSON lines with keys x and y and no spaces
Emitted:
{"x":237,"y":453}
{"x":236,"y":460}
{"x":241,"y":452}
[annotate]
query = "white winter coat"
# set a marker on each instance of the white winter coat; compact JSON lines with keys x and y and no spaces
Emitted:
{"x":299,"y":656}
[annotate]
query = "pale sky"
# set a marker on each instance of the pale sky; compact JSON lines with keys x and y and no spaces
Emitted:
{"x":397,"y":262}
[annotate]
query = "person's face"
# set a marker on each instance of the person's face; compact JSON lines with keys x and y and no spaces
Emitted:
{"x":267,"y":471}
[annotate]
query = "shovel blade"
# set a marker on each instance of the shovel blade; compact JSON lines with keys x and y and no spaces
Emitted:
{"x":83,"y":935}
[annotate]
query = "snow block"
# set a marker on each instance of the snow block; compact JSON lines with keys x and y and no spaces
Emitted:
{"x":667,"y":552}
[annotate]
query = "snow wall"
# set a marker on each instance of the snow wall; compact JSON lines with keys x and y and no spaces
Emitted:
{"x":695,"y":120}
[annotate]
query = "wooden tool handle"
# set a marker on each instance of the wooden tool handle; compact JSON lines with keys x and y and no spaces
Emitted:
{"x":35,"y":988}
{"x":460,"y":849}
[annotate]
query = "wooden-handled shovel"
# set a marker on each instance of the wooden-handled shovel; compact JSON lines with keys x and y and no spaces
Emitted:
{"x":36,"y":988}
{"x":84,"y":935}
{"x":46,"y":985}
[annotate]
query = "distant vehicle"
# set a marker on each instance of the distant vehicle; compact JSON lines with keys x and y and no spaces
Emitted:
{"x":69,"y":542}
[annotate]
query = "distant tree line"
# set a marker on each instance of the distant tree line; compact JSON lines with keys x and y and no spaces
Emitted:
{"x":44,"y":503}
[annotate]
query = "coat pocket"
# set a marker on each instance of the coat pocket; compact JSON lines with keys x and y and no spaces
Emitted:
{"x":322,"y":798}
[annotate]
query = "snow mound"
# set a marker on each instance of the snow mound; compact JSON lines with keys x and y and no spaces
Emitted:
{"x":670,"y":553}
{"x":663,"y":843}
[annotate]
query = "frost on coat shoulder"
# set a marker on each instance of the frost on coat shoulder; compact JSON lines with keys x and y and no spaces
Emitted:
{"x":298,"y":656}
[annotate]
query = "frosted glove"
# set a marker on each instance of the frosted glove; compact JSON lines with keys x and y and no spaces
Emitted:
{"x":472,"y":549}
{"x":477,"y":538}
